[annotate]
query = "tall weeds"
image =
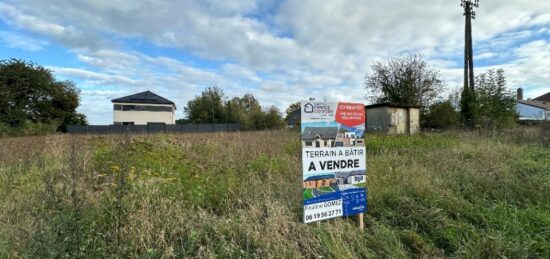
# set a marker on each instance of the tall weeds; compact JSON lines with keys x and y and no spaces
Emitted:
{"x":239,"y":195}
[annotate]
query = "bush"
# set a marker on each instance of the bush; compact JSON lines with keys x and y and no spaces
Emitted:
{"x":28,"y":128}
{"x":441,"y":115}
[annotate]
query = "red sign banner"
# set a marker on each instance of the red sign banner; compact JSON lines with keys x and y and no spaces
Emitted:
{"x":350,"y":114}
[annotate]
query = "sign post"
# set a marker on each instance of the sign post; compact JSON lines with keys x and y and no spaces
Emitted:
{"x":333,"y":160}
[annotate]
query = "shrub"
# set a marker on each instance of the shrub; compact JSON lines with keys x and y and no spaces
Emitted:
{"x":442,"y":115}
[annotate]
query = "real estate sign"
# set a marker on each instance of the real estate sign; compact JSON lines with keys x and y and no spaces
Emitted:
{"x":333,"y":159}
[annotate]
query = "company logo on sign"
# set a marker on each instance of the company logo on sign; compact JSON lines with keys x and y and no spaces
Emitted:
{"x":320,"y":108}
{"x":308,"y":107}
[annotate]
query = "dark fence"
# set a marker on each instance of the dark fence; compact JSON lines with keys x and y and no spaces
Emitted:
{"x":152,"y":128}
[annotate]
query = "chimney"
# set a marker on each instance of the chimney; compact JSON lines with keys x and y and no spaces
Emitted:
{"x":520,"y":94}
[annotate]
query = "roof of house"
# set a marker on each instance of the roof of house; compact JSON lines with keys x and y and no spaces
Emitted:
{"x":319,"y":177}
{"x":143,"y":97}
{"x":322,"y":132}
{"x":545,"y":97}
{"x":538,"y":104}
{"x":390,"y":104}
{"x":352,"y":173}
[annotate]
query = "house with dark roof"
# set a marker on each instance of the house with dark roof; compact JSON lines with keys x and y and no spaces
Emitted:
{"x":318,"y":181}
{"x":142,"y":109}
{"x":535,"y":109}
{"x":319,"y":136}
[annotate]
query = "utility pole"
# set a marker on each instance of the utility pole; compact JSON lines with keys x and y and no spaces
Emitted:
{"x":469,"y":14}
{"x":468,"y":103}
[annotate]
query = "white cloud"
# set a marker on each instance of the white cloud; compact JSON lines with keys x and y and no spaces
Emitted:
{"x":64,"y":34}
{"x":240,"y":73}
{"x":17,"y":40}
{"x":530,"y":70}
{"x":281,"y":51}
{"x":96,"y":78}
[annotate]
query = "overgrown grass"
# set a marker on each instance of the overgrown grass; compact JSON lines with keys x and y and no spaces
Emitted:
{"x":240,"y":195}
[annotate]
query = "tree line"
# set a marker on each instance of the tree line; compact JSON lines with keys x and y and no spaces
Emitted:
{"x":212,"y":106}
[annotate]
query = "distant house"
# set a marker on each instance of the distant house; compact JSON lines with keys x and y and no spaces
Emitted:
{"x":142,"y":109}
{"x":348,"y":139}
{"x":393,"y":118}
{"x":318,"y":181}
{"x":293,"y":119}
{"x":536,"y":109}
{"x":319,"y":136}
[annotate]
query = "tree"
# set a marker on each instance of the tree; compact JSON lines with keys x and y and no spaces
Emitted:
{"x":273,"y":118}
{"x":208,"y":107}
{"x":497,"y":104}
{"x":469,"y":107}
{"x":293,"y":114}
{"x":235,"y":113}
{"x":249,"y":103}
{"x":442,"y":115}
{"x":405,"y":80}
{"x":29,"y":93}
{"x":246,"y":111}
{"x":291,"y":108}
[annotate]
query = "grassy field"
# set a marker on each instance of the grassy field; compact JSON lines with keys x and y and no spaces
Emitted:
{"x":240,"y":195}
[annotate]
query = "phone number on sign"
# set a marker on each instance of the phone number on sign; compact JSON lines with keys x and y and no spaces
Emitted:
{"x":323,"y":215}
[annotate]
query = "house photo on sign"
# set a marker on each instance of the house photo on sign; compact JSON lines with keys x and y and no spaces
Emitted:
{"x":333,"y":159}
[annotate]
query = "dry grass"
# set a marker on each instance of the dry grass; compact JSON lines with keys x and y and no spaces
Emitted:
{"x":239,"y":195}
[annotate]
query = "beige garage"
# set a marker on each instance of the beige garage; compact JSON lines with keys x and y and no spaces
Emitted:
{"x":393,"y":118}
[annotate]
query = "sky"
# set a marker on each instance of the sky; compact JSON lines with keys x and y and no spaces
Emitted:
{"x":279,"y":51}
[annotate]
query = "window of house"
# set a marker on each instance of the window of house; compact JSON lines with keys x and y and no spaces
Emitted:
{"x":128,"y":107}
{"x":308,"y":143}
{"x":128,"y":123}
{"x":148,"y":108}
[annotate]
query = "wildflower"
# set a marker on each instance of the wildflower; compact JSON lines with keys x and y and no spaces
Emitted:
{"x":115,"y":168}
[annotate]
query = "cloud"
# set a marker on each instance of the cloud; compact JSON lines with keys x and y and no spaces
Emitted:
{"x":530,"y":70}
{"x":92,"y":77}
{"x":240,"y":73}
{"x":67,"y":35}
{"x":17,"y":40}
{"x":280,"y":51}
